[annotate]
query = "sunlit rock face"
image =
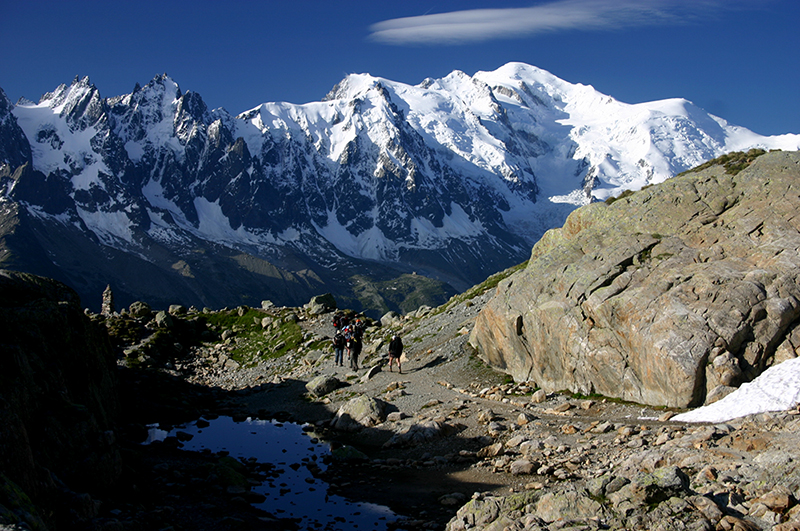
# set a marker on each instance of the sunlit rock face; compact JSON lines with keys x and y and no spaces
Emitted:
{"x":662,"y":297}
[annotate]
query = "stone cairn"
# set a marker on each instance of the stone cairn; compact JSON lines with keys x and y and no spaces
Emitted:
{"x":107,"y":308}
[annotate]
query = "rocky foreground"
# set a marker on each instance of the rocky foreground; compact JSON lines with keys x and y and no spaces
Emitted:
{"x":451,"y":444}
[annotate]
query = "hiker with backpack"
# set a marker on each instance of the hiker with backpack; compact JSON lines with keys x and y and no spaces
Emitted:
{"x":358,"y":328}
{"x":395,"y":351}
{"x":338,"y":348}
{"x":354,"y":348}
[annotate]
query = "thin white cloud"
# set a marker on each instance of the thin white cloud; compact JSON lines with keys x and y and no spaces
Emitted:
{"x":461,"y":27}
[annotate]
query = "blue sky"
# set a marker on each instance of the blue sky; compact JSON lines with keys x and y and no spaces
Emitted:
{"x":739,"y":59}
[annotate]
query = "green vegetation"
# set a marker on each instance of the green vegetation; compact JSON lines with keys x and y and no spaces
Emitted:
{"x":403,"y":294}
{"x":581,"y":396}
{"x":124,"y":332}
{"x":733,"y":162}
{"x":251,"y":342}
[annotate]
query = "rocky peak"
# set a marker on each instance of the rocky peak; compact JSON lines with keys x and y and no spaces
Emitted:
{"x":455,"y":177}
{"x":80,"y":103}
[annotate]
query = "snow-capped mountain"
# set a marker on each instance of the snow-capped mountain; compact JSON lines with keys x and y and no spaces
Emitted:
{"x":454,"y":178}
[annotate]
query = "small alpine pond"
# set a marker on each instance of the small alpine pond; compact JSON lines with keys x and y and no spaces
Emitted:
{"x":293,"y":492}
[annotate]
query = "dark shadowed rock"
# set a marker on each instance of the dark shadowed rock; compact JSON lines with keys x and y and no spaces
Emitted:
{"x":58,"y":401}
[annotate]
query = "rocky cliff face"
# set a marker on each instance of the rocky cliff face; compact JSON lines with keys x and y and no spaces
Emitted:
{"x":669,"y":296}
{"x":58,"y":404}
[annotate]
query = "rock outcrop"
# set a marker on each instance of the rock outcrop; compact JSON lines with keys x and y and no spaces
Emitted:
{"x":664,"y":297}
{"x":58,"y":405}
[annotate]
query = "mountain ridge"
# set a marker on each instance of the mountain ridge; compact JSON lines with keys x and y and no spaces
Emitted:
{"x":454,"y":178}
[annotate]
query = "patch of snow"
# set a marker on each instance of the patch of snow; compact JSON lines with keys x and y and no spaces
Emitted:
{"x":55,"y":146}
{"x":456,"y":225}
{"x":215,"y":226}
{"x":371,"y":244}
{"x":110,"y":227}
{"x":776,"y":389}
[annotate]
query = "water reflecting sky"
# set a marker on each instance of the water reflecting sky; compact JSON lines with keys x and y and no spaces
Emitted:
{"x":295,"y":492}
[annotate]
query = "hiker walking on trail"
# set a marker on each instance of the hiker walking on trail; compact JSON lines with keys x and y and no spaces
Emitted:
{"x":358,"y":328}
{"x":354,"y":348}
{"x":338,"y":348}
{"x":395,"y":351}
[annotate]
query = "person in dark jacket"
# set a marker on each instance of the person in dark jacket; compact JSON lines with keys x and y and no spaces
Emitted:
{"x":338,"y":347}
{"x":395,"y":351}
{"x":354,"y":348}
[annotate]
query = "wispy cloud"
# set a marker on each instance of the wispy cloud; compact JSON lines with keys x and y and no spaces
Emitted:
{"x":461,"y":27}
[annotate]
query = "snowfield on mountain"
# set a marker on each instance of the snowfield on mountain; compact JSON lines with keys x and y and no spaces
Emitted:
{"x":454,"y":178}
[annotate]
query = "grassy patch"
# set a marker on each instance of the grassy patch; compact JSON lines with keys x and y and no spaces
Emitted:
{"x":733,"y":162}
{"x":250,"y":341}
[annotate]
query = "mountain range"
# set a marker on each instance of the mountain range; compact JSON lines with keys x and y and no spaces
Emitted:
{"x":385,"y":194}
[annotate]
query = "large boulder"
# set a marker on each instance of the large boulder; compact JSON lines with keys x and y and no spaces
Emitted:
{"x":419,"y":433}
{"x":321,"y":304}
{"x":391,"y":318}
{"x":323,"y":384}
{"x":360,"y":412}
{"x":661,"y":296}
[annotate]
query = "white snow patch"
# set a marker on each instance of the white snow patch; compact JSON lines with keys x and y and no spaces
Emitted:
{"x":55,"y":147}
{"x":371,"y":244}
{"x":110,"y":227}
{"x":776,"y":389}
{"x":456,"y":225}
{"x":215,"y":226}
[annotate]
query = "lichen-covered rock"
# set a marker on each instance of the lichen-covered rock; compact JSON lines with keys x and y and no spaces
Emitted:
{"x":570,"y":504}
{"x":418,"y":433}
{"x":360,"y":412}
{"x":323,"y":384}
{"x":140,"y":309}
{"x":649,"y":488}
{"x":164,"y":320}
{"x":639,"y":299}
{"x":391,"y":318}
{"x":483,"y":511}
{"x":321,"y":304}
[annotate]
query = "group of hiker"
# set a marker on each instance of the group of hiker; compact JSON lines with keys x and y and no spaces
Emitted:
{"x":349,"y":335}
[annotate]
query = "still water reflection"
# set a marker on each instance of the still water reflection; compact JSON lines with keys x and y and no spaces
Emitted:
{"x":295,"y":492}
